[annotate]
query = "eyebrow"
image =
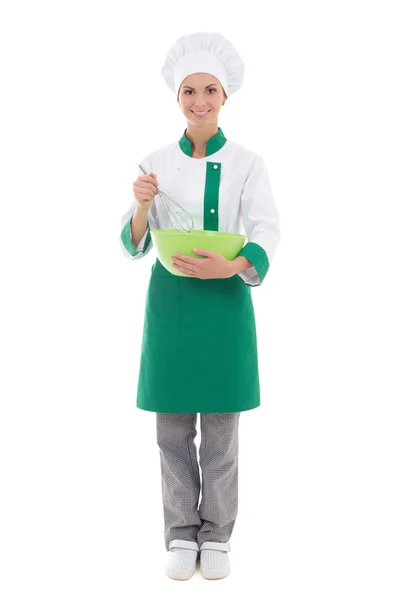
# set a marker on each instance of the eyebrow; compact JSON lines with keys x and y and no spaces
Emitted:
{"x":207,"y":86}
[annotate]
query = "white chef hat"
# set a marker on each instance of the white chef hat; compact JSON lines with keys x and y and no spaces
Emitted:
{"x":203,"y":53}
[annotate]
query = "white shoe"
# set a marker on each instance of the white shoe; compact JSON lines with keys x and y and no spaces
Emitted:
{"x":214,"y":560}
{"x":182,"y":557}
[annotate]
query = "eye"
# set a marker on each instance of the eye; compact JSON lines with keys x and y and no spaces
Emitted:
{"x":209,"y":90}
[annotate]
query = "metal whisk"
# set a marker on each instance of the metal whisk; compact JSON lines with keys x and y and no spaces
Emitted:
{"x":178,"y":217}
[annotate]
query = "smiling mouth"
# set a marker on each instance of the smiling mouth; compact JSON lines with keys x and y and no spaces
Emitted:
{"x":201,"y":113}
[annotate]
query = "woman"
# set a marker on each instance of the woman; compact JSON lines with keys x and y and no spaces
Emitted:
{"x":199,"y":347}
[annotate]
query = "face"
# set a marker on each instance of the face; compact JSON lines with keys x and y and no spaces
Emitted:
{"x":201,"y":92}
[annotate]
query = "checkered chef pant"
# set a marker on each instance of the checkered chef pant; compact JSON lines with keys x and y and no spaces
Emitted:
{"x":184,"y":519}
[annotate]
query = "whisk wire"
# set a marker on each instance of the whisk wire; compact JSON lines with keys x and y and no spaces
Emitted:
{"x":173,"y":210}
{"x":175,"y":216}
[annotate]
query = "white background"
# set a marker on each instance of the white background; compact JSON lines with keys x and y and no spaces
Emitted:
{"x":82,"y":101}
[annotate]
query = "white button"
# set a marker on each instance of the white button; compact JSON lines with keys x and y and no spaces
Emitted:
{"x":212,"y":210}
{"x":215,"y":166}
{"x":177,"y":166}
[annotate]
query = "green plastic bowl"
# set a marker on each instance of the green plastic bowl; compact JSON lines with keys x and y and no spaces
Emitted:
{"x":168,"y":241}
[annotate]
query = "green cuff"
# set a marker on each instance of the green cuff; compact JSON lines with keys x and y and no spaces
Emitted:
{"x":258,"y":258}
{"x":127,"y":240}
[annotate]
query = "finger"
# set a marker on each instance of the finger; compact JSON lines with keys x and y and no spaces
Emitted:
{"x":148,"y":179}
{"x":152,"y":179}
{"x":187,"y":259}
{"x":154,"y":176}
{"x":144,"y":187}
{"x":186,"y":263}
{"x":147,"y":184}
{"x":181,"y":263}
{"x":203,"y":252}
{"x":184,"y":268}
{"x":187,"y":272}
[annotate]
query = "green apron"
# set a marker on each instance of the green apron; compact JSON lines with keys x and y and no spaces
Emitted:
{"x":199,"y":346}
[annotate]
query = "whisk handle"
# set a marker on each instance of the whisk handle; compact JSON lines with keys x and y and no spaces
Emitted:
{"x":144,"y":171}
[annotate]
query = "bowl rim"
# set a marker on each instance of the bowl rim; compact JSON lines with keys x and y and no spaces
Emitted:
{"x":198,"y":232}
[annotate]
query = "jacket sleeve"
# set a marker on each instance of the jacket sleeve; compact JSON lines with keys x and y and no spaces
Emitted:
{"x":145,"y":244}
{"x":261,"y":223}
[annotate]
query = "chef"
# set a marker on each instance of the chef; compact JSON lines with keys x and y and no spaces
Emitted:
{"x":199,"y":346}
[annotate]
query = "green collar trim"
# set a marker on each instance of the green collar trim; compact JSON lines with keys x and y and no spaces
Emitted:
{"x":214,"y":144}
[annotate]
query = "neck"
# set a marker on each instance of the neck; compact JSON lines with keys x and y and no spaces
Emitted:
{"x":199,"y":136}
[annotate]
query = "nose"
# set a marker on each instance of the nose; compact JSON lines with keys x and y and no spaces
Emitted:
{"x":199,"y":102}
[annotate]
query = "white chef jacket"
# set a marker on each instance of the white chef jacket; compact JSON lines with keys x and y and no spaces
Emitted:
{"x":227,"y":190}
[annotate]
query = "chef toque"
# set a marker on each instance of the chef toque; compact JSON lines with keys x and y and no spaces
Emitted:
{"x":203,"y":53}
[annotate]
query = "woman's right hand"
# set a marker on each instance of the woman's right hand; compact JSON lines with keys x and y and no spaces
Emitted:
{"x":144,"y":189}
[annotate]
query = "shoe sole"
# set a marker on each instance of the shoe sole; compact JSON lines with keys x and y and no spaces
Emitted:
{"x":214,"y":578}
{"x":175,"y":579}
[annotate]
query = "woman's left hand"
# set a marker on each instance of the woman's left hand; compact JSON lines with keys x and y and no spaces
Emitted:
{"x":214,"y":266}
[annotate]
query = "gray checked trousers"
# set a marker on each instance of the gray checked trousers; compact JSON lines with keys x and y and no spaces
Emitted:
{"x":184,"y":519}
